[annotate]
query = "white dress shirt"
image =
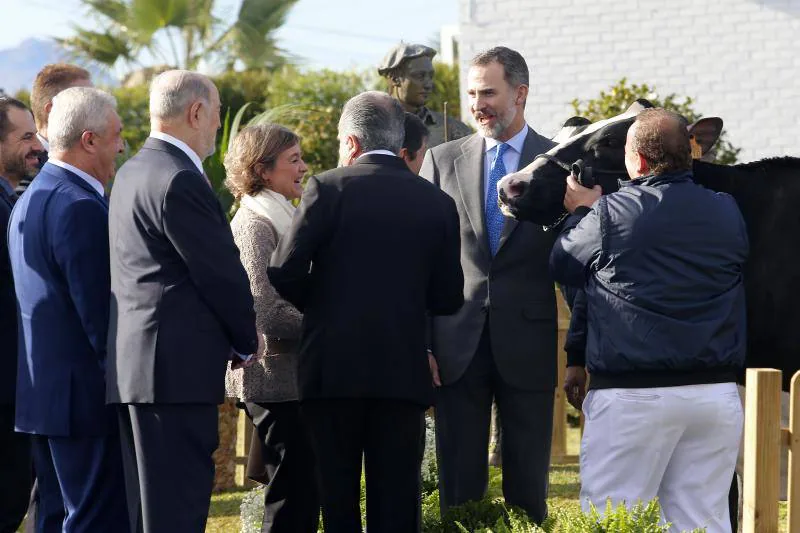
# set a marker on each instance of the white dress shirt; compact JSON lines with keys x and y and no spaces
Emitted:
{"x":510,"y":158}
{"x":376,"y":152}
{"x":174,"y":141}
{"x":91,"y":180}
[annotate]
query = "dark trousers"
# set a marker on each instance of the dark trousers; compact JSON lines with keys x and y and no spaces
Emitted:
{"x":733,"y":503}
{"x":82,"y":478}
{"x":281,"y":457}
{"x":16,"y":472}
{"x":169,"y":472}
{"x":387,"y":435}
{"x":463,"y":414}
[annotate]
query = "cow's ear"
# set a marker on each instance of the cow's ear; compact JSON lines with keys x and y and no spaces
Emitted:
{"x":577,"y":121}
{"x":572,"y":126}
{"x":638,"y":106}
{"x":705,"y":132}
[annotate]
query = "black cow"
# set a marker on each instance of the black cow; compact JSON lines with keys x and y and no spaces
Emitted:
{"x":768,"y":194}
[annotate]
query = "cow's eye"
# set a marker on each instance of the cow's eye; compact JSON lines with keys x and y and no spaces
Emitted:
{"x":613,"y":142}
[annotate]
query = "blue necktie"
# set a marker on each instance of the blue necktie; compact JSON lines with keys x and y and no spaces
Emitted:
{"x":494,"y":217}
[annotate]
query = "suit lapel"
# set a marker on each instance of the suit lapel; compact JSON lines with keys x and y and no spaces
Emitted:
{"x":530,"y":149}
{"x":471,"y":186}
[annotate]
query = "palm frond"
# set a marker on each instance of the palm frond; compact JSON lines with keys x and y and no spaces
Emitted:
{"x":103,"y":47}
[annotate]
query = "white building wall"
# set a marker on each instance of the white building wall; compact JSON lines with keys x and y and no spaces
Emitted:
{"x":738,"y":59}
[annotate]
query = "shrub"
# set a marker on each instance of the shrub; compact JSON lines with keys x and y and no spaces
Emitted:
{"x":133,"y":108}
{"x":621,"y":95}
{"x":252,"y":510}
{"x":313,"y":102}
{"x":446,"y":88}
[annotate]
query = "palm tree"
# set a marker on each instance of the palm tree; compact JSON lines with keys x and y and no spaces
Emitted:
{"x":180,"y":33}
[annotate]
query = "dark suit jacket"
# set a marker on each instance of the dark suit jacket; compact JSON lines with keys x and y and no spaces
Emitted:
{"x":180,"y":296}
{"x":372,"y":248}
{"x":58,"y":242}
{"x":8,"y":303}
{"x":514,"y":288}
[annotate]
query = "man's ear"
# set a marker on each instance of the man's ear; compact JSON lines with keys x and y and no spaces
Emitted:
{"x":87,"y":141}
{"x":194,"y":113}
{"x":47,"y":107}
{"x":404,"y":154}
{"x":354,"y":146}
{"x":522,"y":95}
{"x":643,"y":166}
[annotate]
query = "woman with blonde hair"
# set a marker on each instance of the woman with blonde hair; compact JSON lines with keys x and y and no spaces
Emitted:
{"x":265,"y":168}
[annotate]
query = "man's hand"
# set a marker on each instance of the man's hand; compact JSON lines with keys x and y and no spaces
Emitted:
{"x":437,"y":382}
{"x":575,"y":386}
{"x":238,"y":362}
{"x":577,"y":195}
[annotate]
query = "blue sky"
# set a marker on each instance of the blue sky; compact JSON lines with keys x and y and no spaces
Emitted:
{"x":326,"y":33}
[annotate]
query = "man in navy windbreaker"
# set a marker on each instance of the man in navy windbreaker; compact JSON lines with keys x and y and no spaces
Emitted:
{"x":661,"y":262}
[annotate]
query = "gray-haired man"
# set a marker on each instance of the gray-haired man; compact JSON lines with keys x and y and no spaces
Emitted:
{"x":372,"y":250}
{"x":181,"y":307}
{"x":58,"y":246}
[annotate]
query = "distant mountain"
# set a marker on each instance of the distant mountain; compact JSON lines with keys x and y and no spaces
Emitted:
{"x":19,"y":65}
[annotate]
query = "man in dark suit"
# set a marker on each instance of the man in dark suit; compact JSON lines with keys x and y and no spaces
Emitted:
{"x":181,"y":307}
{"x":372,"y":249}
{"x":57,"y":240}
{"x":50,"y":81}
{"x":502,"y":344}
{"x":19,"y":149}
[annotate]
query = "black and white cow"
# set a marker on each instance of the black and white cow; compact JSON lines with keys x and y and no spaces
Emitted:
{"x":765,"y":190}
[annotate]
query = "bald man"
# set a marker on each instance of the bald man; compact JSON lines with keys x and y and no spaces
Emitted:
{"x":181,"y":308}
{"x":661,"y":262}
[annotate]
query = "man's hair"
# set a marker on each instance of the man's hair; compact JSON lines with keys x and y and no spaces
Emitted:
{"x":173,"y":90}
{"x":515,"y":70}
{"x":261,"y":143}
{"x":375,"y":119}
{"x":76,"y":110}
{"x":6,"y":103}
{"x":662,"y":139}
{"x":50,"y":81}
{"x":416,"y":133}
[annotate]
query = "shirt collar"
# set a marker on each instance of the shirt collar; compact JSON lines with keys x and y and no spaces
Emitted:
{"x":88,"y":178}
{"x":514,"y":142}
{"x":376,"y":152}
{"x":44,"y":142}
{"x":174,"y":141}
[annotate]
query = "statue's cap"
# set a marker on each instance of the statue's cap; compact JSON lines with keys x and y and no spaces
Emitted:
{"x":400,"y":53}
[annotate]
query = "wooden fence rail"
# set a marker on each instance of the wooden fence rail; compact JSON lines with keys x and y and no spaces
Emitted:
{"x":764,"y":439}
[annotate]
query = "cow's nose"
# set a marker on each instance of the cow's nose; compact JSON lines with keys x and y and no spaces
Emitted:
{"x":515,"y":187}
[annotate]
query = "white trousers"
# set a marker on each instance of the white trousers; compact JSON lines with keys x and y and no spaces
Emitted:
{"x":675,"y":443}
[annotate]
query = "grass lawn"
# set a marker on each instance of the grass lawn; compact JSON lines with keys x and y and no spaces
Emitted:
{"x":564,"y":491}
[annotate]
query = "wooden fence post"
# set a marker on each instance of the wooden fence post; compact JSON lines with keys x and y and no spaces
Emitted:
{"x":558,"y":446}
{"x":762,"y":446}
{"x":793,"y":494}
{"x":244,"y":432}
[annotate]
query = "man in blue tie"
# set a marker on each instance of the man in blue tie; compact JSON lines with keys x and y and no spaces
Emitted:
{"x":58,"y":245}
{"x":501,"y":345}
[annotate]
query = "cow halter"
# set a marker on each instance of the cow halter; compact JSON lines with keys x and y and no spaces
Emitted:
{"x":556,"y":161}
